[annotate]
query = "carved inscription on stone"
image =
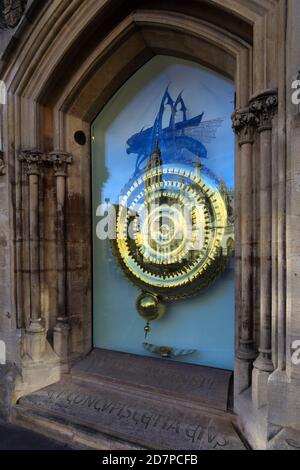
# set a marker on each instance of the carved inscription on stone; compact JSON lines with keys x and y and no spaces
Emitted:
{"x":140,"y":418}
{"x":136,"y":419}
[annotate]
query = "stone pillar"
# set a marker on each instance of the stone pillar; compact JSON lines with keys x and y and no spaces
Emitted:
{"x":35,"y":332}
{"x":244,"y":124}
{"x":61,"y":334}
{"x":264,"y":106}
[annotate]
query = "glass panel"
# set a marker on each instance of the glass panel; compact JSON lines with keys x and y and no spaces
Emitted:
{"x":163,"y":205}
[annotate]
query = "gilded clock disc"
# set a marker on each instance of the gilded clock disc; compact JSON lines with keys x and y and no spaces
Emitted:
{"x":170,"y":225}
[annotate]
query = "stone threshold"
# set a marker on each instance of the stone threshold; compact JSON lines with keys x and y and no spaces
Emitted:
{"x":123,"y":416}
{"x":190,"y":383}
{"x":105,"y":403}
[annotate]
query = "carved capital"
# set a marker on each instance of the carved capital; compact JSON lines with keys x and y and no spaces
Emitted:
{"x":11,"y":12}
{"x":2,"y":164}
{"x":244,"y":123}
{"x":60,"y":161}
{"x":33,"y":160}
{"x":264,"y":106}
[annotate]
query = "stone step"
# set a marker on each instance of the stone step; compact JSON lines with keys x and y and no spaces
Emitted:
{"x":76,"y":436}
{"x":187,"y":382}
{"x":112,"y":416}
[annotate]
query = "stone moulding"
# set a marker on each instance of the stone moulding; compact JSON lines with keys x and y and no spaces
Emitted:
{"x":258,"y":116}
{"x":264,"y":107}
{"x":243,"y":123}
{"x":34,"y":159}
{"x":60,"y":161}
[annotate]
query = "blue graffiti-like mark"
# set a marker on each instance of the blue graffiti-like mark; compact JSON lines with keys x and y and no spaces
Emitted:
{"x":179,"y":140}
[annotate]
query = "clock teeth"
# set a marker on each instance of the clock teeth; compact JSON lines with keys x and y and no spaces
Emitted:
{"x":143,"y":256}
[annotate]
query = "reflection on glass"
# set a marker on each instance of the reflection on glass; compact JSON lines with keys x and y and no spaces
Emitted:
{"x":168,"y":216}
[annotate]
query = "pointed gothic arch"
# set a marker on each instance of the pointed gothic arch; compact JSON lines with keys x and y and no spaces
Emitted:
{"x":64,"y":68}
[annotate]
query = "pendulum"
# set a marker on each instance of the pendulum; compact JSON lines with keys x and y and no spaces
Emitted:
{"x":147,"y":329}
{"x":150,"y":308}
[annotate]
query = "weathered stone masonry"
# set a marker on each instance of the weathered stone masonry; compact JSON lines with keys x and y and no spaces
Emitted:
{"x":59,"y":74}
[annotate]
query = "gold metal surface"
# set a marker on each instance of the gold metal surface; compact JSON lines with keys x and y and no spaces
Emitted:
{"x":157,"y":248}
{"x":149,"y":307}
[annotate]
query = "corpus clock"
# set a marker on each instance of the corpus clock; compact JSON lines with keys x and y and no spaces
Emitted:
{"x":170,"y":225}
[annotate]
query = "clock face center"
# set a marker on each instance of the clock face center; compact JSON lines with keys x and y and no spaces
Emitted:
{"x":165,"y":230}
{"x":162,"y":234}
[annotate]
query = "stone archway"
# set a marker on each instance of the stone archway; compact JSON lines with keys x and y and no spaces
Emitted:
{"x":58,"y":79}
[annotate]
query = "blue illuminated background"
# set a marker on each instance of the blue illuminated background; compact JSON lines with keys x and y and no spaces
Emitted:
{"x":206,"y":322}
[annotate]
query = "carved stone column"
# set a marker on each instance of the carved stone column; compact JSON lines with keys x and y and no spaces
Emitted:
{"x":264,"y":106}
{"x":244,"y":124}
{"x":35,"y":333}
{"x":61,"y":336}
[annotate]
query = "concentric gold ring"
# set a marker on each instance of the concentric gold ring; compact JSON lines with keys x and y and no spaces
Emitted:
{"x":169,"y":229}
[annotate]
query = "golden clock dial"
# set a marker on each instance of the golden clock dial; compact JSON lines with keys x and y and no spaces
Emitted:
{"x":170,"y":225}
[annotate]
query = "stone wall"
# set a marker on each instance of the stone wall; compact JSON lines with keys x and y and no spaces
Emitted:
{"x":70,"y":58}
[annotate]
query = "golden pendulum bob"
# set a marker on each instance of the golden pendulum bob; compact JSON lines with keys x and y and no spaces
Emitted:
{"x":150,"y":308}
